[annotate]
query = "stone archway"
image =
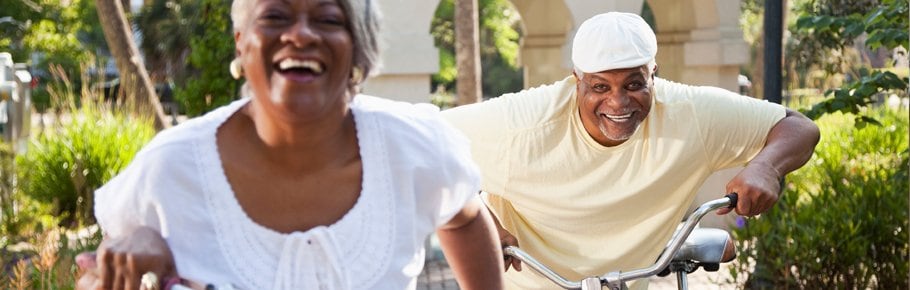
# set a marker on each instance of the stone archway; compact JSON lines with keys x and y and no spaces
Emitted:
{"x":700,"y":42}
{"x":549,"y":26}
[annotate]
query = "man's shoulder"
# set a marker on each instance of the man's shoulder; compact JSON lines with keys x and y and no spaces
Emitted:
{"x":670,"y":92}
{"x":546,"y":93}
{"x":523,"y":109}
{"x":388,"y":109}
{"x":399,"y":120}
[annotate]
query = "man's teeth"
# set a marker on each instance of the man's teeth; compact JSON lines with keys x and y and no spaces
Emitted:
{"x":304,"y":64}
{"x":626,"y":116}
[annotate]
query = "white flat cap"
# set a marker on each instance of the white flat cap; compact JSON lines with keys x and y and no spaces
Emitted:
{"x":613,"y":40}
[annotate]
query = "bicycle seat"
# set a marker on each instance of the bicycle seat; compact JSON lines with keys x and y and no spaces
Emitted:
{"x":707,"y":245}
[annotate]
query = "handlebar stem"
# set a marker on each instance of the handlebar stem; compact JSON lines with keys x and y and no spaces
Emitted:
{"x":616,"y":280}
{"x":540,"y":268}
{"x":675,"y":242}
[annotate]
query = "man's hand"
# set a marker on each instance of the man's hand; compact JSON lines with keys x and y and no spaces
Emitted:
{"x":758,"y":187}
{"x":121,"y":262}
{"x":789,"y":146}
{"x":507,"y":239}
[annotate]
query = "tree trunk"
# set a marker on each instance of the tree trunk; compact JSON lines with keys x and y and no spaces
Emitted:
{"x":467,"y":54}
{"x":134,"y":80}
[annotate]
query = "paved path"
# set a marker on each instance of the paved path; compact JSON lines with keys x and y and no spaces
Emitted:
{"x":699,"y":280}
{"x":437,"y":276}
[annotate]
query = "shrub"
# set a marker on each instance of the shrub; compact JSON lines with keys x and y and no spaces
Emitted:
{"x":7,"y":188}
{"x":211,"y":85}
{"x":19,"y":215}
{"x":842,"y":222}
{"x":65,"y":164}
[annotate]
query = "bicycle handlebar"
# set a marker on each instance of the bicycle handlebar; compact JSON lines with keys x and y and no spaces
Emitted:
{"x":676,"y":242}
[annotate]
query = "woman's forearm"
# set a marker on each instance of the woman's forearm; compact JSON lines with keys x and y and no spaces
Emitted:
{"x":472,"y":249}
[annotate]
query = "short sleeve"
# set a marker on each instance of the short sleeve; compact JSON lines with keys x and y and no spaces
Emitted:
{"x":125,"y":202}
{"x":458,"y":174}
{"x":734,"y":127}
{"x":492,"y":125}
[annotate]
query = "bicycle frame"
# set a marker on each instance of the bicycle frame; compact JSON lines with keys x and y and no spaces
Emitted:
{"x":617,"y":280}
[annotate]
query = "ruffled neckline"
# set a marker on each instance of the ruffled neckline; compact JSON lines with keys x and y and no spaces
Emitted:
{"x":361,"y":241}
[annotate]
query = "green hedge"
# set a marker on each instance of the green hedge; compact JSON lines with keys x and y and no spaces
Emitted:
{"x":843,"y":219}
{"x":65,"y":164}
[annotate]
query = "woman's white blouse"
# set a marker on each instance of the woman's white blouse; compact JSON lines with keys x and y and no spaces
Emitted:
{"x":417,"y":173}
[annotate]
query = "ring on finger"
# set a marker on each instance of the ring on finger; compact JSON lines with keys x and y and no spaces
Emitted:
{"x":149,"y":281}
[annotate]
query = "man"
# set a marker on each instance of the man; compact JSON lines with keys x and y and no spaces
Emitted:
{"x":591,"y":174}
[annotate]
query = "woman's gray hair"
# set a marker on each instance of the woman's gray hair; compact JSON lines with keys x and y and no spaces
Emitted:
{"x":363,"y":19}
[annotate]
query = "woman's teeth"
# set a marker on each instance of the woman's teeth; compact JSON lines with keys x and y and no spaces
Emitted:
{"x":310,"y":65}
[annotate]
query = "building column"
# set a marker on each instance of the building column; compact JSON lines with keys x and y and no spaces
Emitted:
{"x":409,"y":57}
{"x":700,"y":42}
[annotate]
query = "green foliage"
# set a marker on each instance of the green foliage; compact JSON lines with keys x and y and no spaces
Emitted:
{"x":211,"y":85}
{"x":65,"y":164}
{"x":499,"y":33}
{"x":9,"y":225}
{"x":842,"y":222}
{"x":824,"y":47}
{"x":166,"y":27}
{"x":20,"y":216}
{"x":886,"y":26}
{"x":854,"y":96}
{"x":57,"y":32}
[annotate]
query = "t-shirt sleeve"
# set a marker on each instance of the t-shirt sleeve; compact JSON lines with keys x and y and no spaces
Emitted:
{"x":125,"y":202}
{"x":459,"y":174}
{"x":734,"y":127}
{"x":486,"y":127}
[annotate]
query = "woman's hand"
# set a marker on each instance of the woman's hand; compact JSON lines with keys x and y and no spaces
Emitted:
{"x":121,"y":262}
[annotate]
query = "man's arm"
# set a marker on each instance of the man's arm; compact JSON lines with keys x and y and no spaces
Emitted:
{"x":789,"y":146}
{"x":472,"y":249}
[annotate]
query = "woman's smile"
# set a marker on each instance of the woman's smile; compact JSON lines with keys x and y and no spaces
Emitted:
{"x":300,"y":70}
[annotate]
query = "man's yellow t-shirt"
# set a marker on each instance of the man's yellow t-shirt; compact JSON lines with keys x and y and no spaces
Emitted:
{"x":585,"y":209}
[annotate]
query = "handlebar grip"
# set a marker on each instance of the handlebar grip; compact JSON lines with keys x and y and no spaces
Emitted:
{"x":734,"y":198}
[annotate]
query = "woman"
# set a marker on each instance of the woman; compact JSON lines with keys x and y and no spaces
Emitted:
{"x":303,"y":185}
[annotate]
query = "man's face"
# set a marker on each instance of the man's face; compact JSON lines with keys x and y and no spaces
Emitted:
{"x":613,"y":103}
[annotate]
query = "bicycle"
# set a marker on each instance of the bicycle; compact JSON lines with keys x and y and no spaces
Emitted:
{"x":704,"y":249}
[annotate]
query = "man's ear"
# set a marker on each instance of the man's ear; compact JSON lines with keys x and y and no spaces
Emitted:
{"x":654,"y":73}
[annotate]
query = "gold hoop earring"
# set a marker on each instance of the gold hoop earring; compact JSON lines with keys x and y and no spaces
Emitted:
{"x":236,"y":69}
{"x":356,"y":75}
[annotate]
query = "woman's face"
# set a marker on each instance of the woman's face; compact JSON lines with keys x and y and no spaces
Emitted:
{"x":297,"y":56}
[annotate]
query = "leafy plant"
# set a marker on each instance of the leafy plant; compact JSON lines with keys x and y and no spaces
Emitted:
{"x":20,"y":216}
{"x":7,"y":189}
{"x":48,"y":260}
{"x":211,"y":86}
{"x":842,"y":222}
{"x":64,"y":165}
{"x":885,"y":25}
{"x":166,"y":27}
